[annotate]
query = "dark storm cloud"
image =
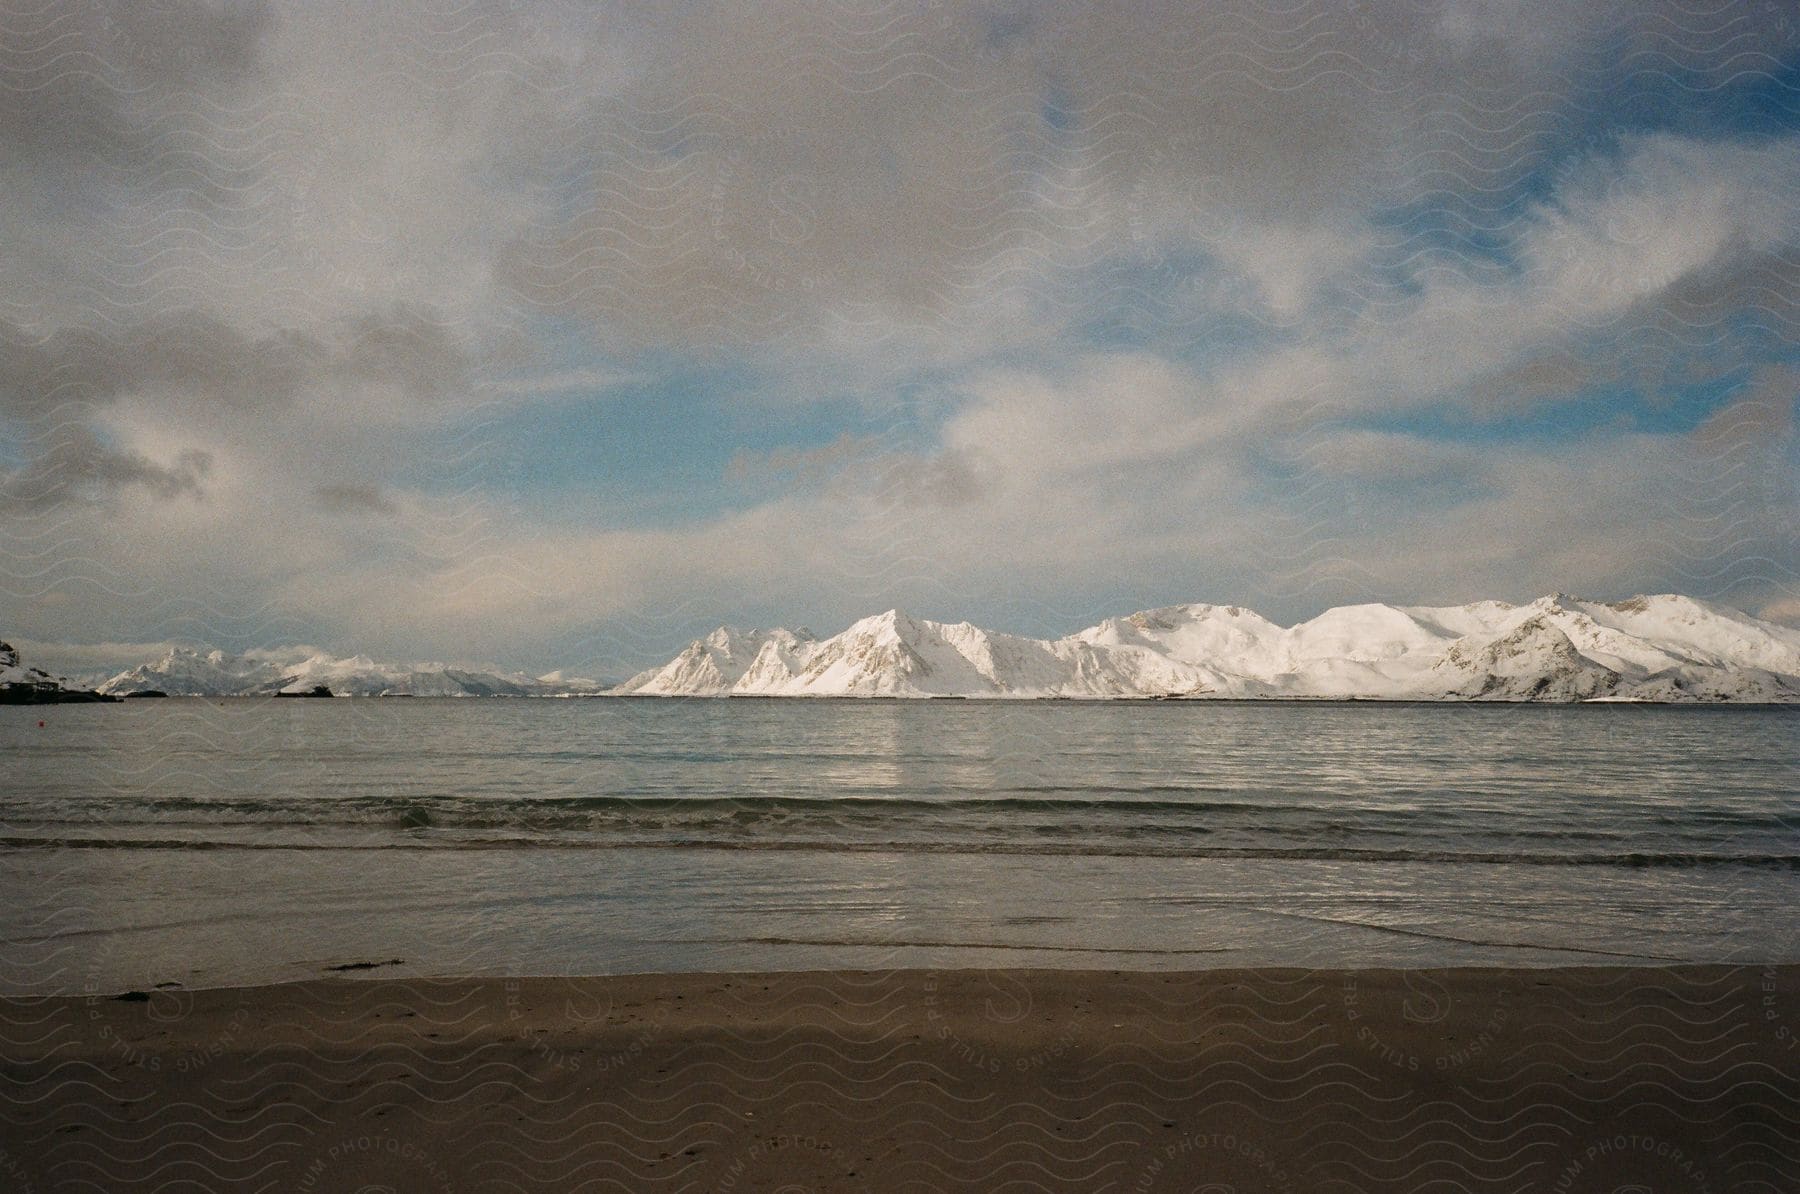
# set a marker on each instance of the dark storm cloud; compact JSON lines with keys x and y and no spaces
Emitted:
{"x":407,"y":348}
{"x":353,"y":498}
{"x":203,"y":375}
{"x":90,"y":79}
{"x":80,"y":466}
{"x":192,"y":355}
{"x":783,"y":170}
{"x":192,"y":358}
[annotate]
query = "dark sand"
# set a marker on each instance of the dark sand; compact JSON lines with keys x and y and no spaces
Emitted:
{"x":1663,"y":1080}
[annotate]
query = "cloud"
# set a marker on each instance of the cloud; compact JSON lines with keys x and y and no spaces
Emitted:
{"x":1633,"y":232}
{"x":1083,"y":305}
{"x":354,"y":498}
{"x":198,"y":359}
{"x":1108,"y":414}
{"x":846,"y":180}
{"x":1666,"y":211}
{"x":79,"y":466}
{"x":96,"y":661}
{"x":90,"y":660}
{"x":95,"y":407}
{"x":191,"y":355}
{"x":1395,"y":460}
{"x":81,"y":78}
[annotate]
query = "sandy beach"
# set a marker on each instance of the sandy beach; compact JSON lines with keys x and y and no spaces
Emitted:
{"x":1674,"y":1078}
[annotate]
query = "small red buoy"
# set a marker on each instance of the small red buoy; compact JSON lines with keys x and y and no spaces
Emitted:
{"x":40,"y":725}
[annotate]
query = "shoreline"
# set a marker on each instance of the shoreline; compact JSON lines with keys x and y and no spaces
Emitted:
{"x":398,"y":972}
{"x":86,"y":697}
{"x":1564,"y":1078}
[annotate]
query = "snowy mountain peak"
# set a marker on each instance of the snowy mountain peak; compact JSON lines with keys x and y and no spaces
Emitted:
{"x":1535,"y":660}
{"x":1170,"y":617}
{"x":1553,"y":602}
{"x":893,"y":623}
{"x":730,"y":639}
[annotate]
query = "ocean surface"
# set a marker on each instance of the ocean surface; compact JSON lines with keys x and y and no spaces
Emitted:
{"x":209,"y":842}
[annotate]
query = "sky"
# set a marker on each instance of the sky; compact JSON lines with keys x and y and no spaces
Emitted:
{"x":554,"y":334}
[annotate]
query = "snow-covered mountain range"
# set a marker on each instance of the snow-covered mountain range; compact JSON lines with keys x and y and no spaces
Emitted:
{"x":1557,"y":648}
{"x":184,"y":672}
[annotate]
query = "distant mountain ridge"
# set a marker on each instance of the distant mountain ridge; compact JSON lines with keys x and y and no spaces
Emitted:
{"x":21,"y":685}
{"x":1663,"y":647}
{"x":187,"y":672}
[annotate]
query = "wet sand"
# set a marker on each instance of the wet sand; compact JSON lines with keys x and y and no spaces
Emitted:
{"x":1669,"y":1078}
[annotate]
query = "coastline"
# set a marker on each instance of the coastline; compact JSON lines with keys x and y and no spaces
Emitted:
{"x":1571,"y":1078}
{"x":988,"y":698}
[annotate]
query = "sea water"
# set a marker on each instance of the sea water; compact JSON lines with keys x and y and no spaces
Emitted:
{"x":251,"y":840}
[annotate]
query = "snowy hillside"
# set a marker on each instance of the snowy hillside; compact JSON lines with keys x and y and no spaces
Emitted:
{"x":1557,"y":648}
{"x":21,"y":685}
{"x":184,"y":672}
